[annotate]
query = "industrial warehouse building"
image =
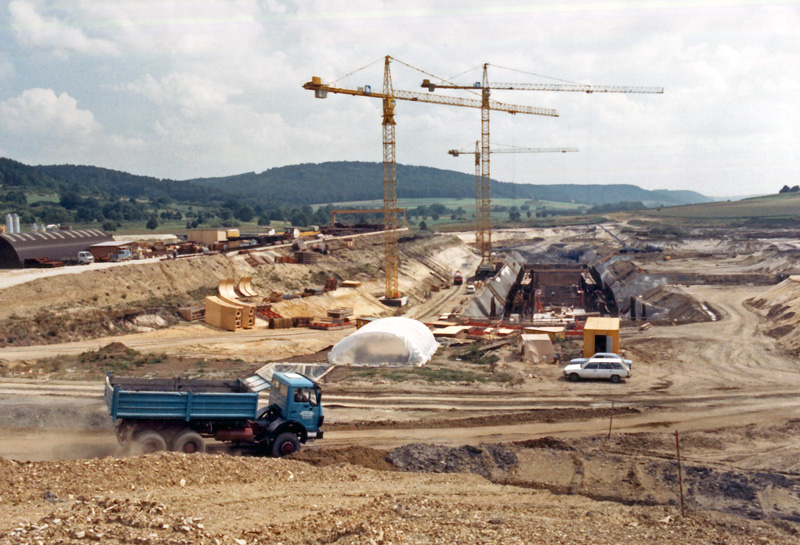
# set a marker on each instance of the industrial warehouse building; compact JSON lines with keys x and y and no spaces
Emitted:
{"x":60,"y":245}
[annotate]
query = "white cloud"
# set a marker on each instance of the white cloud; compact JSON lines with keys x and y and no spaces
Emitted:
{"x":178,"y":28}
{"x":202,"y":87}
{"x":43,"y":113}
{"x":188,"y":94}
{"x":53,"y":34}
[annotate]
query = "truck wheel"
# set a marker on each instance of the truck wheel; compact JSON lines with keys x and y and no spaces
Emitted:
{"x":285,"y":444}
{"x":149,"y":442}
{"x":188,"y":441}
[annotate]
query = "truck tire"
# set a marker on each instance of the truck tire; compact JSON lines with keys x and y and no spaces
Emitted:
{"x":149,"y":442}
{"x":189,"y":442}
{"x":285,"y":444}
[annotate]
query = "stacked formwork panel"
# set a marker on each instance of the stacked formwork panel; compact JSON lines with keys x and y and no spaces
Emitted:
{"x":227,"y":294}
{"x":248,"y":311}
{"x":306,"y":258}
{"x":245,"y":287}
{"x":227,"y":312}
{"x":222,"y":314}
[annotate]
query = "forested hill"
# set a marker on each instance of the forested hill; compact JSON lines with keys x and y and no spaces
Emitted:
{"x":315,"y":183}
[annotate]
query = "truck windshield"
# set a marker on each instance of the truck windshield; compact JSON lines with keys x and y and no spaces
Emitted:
{"x":305,"y":395}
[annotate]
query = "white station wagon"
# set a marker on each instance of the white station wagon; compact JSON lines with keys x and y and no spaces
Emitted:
{"x":603,"y":365}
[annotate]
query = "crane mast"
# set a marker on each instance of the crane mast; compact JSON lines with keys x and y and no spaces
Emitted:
{"x":485,"y":222}
{"x":391,"y":245}
{"x":486,"y":188}
{"x":479,"y":232}
{"x":389,"y":96}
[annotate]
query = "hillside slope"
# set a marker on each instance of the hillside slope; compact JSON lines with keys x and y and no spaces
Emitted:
{"x":311,"y":183}
{"x":781,"y":205}
{"x":345,"y":181}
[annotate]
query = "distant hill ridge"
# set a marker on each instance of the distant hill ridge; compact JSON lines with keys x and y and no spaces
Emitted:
{"x":312,"y":183}
{"x":344,"y":181}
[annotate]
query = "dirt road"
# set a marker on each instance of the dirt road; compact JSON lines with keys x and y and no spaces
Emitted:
{"x":539,"y":447}
{"x":198,"y":340}
{"x":724,"y":374}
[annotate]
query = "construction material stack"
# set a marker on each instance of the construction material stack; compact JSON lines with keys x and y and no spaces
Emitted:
{"x":226,"y":311}
{"x":222,"y":314}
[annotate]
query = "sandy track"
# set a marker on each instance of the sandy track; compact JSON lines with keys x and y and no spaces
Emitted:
{"x":729,"y":354}
{"x":689,"y":377}
{"x":197,"y":339}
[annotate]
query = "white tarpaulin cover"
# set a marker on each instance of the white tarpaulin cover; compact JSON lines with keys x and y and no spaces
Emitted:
{"x":393,"y":340}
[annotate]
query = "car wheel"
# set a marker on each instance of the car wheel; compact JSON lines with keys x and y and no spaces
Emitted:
{"x":574,"y":377}
{"x":615,"y":378}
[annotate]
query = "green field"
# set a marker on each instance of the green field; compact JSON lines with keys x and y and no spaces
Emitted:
{"x":466,"y":203}
{"x":785,"y":205}
{"x":42,"y":198}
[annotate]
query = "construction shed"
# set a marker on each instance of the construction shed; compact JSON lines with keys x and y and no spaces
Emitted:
{"x":393,"y":341}
{"x":600,"y":334}
{"x":537,"y":348}
{"x":57,"y":245}
{"x":207,"y":236}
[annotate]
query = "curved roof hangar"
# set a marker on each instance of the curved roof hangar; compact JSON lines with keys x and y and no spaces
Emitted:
{"x":60,"y":245}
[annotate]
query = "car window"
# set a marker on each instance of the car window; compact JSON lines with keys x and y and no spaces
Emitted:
{"x":592,"y":365}
{"x":617,"y":365}
{"x":605,"y":365}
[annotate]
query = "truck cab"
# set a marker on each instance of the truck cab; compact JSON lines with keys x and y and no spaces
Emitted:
{"x":85,"y":258}
{"x":123,"y":254}
{"x":294,"y":413}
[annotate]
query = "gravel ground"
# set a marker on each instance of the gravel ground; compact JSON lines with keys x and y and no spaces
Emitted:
{"x":174,"y":498}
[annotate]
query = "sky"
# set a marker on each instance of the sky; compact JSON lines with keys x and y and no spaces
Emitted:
{"x":200,"y":88}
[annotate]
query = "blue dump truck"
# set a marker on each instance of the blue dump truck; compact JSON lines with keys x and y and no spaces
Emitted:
{"x":178,"y":414}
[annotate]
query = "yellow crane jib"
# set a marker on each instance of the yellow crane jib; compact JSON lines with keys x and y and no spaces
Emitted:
{"x":321,"y":90}
{"x":484,"y":234}
{"x":389,"y":97}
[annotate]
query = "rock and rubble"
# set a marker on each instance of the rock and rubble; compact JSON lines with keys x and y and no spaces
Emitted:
{"x":218,"y":499}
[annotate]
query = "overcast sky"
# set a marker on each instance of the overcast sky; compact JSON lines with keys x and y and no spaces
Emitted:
{"x":196,"y":88}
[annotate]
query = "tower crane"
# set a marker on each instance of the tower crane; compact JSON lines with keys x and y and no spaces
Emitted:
{"x":389,"y":96}
{"x":486,"y":88}
{"x":479,"y":236}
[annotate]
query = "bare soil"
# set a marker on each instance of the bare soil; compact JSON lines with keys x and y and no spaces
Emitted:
{"x":509,"y":452}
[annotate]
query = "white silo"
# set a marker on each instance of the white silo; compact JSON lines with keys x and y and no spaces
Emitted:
{"x":9,"y":224}
{"x":16,"y":223}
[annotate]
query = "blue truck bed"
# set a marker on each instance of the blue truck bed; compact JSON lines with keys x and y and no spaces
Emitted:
{"x":179,"y":398}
